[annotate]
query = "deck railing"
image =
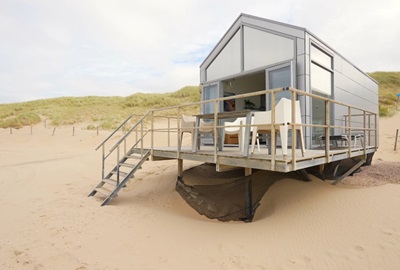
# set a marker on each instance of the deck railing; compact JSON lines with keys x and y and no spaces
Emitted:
{"x":366,"y":124}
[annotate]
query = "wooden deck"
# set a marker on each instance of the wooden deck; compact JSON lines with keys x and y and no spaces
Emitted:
{"x":231,"y":156}
{"x":138,"y":142}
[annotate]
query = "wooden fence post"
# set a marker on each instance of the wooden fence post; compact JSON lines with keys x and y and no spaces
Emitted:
{"x":10,"y":130}
{"x":396,"y":138}
{"x":73,"y":131}
{"x":54,"y":130}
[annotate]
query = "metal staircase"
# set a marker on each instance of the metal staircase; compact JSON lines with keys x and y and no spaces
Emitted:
{"x":126,"y":165}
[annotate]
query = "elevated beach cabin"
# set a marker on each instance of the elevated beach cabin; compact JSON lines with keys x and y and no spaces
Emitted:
{"x":274,"y":97}
{"x":257,"y":54}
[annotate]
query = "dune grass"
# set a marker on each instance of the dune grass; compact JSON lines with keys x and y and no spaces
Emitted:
{"x":109,"y":112}
{"x":105,"y":112}
{"x":389,"y":86}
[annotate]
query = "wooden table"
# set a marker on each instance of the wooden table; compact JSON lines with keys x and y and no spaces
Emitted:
{"x":217,"y":119}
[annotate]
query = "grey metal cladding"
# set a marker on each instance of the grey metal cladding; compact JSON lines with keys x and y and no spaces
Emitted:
{"x":287,"y":29}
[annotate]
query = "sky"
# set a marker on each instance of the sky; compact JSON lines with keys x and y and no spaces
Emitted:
{"x":120,"y":47}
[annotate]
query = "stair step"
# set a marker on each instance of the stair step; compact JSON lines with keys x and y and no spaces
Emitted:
{"x":134,"y":156}
{"x":104,"y":191}
{"x":128,"y":165}
{"x":110,"y":181}
{"x":123,"y":174}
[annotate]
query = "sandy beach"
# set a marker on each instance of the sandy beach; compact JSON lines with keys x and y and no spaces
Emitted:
{"x":48,"y":222}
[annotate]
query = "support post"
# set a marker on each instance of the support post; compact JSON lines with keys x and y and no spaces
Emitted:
{"x":247,"y":171}
{"x":304,"y":175}
{"x":180,"y":167}
{"x":350,"y":171}
{"x":249,"y":198}
{"x":396,"y":138}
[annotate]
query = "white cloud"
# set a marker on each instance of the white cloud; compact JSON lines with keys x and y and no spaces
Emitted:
{"x":99,"y":47}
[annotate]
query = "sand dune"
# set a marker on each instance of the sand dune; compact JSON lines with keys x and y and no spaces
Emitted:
{"x":48,"y":222}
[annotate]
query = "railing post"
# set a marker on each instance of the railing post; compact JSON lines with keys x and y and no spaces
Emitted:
{"x":365,"y":134}
{"x":376,"y":132}
{"x":178,"y":137}
{"x":124,"y":146}
{"x":327,"y":130}
{"x":152,"y":133}
{"x":136,"y":134}
{"x":273,"y":134}
{"x":118,"y":165}
{"x":349,"y":132}
{"x":216,"y":138}
{"x":141,"y":139}
{"x":294,"y":130}
{"x":102,"y":160}
{"x":169,"y":126}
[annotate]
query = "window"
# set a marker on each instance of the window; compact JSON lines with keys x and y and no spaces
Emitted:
{"x":321,"y":80}
{"x":321,"y":74}
{"x":321,"y":71}
{"x":321,"y":57}
{"x":228,"y":60}
{"x":263,"y":48}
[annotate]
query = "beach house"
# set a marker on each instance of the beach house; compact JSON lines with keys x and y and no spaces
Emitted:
{"x":274,"y":97}
{"x":257,"y":54}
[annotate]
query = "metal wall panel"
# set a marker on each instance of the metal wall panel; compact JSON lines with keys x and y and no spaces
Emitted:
{"x":274,"y":26}
{"x":258,"y":46}
{"x":354,"y":87}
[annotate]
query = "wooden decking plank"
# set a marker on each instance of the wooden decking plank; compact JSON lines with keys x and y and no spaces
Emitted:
{"x":231,"y":156}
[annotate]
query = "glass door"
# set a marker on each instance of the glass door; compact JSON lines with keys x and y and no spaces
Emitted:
{"x":279,"y":77}
{"x":210,"y":91}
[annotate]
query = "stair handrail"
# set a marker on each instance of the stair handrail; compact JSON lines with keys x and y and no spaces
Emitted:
{"x":112,"y":133}
{"x":130,"y":131}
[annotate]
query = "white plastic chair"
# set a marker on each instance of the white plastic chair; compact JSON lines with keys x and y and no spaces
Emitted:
{"x":237,"y":127}
{"x":283,"y":121}
{"x":187,"y":125}
{"x":205,"y":128}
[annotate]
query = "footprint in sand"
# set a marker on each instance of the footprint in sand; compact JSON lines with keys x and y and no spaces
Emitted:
{"x":21,"y":257}
{"x":359,"y":248}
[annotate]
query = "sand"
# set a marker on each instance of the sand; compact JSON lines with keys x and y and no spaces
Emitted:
{"x":48,"y":222}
